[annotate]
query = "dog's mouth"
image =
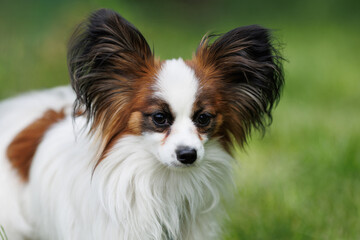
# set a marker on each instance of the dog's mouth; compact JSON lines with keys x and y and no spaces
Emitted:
{"x":180,"y":166}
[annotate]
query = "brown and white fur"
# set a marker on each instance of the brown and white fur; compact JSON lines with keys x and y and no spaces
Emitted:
{"x":138,"y":148}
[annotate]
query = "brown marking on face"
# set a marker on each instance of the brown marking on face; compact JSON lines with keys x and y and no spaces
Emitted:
{"x":210,"y":97}
{"x":124,"y":116}
{"x":167,"y":134}
{"x":22,"y":148}
{"x":200,"y":137}
{"x":134,"y":124}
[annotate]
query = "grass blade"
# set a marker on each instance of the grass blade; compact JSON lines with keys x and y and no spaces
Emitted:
{"x":2,"y":233}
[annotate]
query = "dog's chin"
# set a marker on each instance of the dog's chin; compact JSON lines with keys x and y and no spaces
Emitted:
{"x":178,"y":166}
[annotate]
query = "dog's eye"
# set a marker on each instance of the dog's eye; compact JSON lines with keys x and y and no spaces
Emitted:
{"x":160,"y":119}
{"x":203,"y":119}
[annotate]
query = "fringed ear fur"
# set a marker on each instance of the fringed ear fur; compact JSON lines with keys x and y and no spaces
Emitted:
{"x":247,"y":67}
{"x":106,"y":55}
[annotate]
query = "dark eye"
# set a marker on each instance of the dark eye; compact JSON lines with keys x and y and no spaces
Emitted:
{"x":160,"y":119}
{"x":203,"y":119}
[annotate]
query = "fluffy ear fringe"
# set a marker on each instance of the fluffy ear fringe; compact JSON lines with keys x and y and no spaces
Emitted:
{"x":249,"y":65}
{"x":106,"y":53}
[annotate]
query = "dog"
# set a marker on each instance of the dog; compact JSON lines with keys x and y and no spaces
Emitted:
{"x":135,"y":148}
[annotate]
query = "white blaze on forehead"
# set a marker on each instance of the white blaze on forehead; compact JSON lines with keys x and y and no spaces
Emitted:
{"x":177,"y":85}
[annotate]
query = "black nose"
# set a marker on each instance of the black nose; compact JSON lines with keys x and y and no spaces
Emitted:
{"x":186,"y":155}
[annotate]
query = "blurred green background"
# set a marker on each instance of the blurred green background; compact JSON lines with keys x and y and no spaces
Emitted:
{"x":302,"y":180}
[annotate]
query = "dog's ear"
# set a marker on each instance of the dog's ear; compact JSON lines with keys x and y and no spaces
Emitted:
{"x":248,"y":70}
{"x":106,"y":55}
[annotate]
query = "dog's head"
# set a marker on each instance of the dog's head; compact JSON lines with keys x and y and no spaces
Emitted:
{"x":229,"y":87}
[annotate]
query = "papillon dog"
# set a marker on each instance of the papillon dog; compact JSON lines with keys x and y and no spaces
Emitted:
{"x":135,"y":148}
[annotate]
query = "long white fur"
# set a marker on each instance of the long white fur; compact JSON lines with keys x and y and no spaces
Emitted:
{"x":132,"y":194}
{"x":15,"y":114}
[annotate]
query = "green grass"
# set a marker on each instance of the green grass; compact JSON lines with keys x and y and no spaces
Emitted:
{"x":302,"y":180}
{"x":2,"y":233}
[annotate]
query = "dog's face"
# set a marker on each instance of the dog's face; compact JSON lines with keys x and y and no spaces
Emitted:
{"x":176,"y":122}
{"x":176,"y":106}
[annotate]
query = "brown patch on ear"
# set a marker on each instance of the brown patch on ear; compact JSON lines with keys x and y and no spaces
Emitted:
{"x":123,"y":116}
{"x":112,"y":70}
{"x":245,"y":69}
{"x":210,"y":94}
{"x":219,"y":122}
{"x":23,"y":147}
